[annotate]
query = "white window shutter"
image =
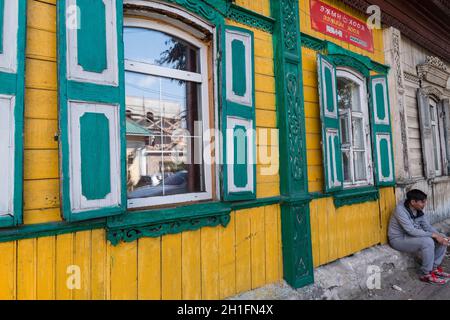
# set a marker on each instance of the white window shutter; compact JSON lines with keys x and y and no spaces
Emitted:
{"x":423,"y":102}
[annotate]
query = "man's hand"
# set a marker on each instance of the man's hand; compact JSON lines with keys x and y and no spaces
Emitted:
{"x":441,"y":239}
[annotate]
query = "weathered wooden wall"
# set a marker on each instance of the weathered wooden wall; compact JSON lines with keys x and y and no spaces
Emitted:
{"x":438,"y":189}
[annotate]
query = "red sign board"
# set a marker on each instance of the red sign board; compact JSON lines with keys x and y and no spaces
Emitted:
{"x":339,"y":25}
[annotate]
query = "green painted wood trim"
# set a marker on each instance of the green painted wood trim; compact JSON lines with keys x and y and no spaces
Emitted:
{"x":296,"y":229}
{"x":379,"y":128}
{"x":178,"y":220}
{"x":356,"y":196}
{"x":344,"y":56}
{"x":205,"y":9}
{"x":349,"y":196}
{"x":92,"y":32}
{"x":6,"y":221}
{"x":14,"y":84}
{"x":88,"y":92}
{"x":216,"y":11}
{"x":19,"y":113}
{"x":250,"y":18}
{"x":235,"y":206}
{"x":48,"y":229}
{"x":233,"y":109}
{"x":297,"y":249}
{"x":155,"y":223}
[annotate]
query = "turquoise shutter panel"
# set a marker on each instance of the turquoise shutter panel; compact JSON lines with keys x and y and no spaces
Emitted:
{"x":381,"y":131}
{"x":92,"y":108}
{"x":329,"y":113}
{"x":12,"y":83}
{"x":238,"y":116}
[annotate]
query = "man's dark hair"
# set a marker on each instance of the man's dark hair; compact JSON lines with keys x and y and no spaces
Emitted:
{"x":416,"y":195}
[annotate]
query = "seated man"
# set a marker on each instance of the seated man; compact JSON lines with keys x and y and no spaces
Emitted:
{"x":410,"y":231}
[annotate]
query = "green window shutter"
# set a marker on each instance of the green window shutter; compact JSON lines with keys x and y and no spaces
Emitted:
{"x":238,"y":116}
{"x":446,"y":110}
{"x":92,"y":108}
{"x":423,"y":103}
{"x":12,"y":87}
{"x":329,"y":113}
{"x":381,"y":132}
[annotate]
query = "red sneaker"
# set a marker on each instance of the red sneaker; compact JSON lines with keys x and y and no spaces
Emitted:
{"x":433,"y":279}
{"x":441,"y":274}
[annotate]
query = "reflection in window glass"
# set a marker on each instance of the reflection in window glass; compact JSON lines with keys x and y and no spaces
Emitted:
{"x":358,"y":133}
{"x":161,"y":49}
{"x":360,"y":166}
{"x":347,"y":164}
{"x":161,"y":134}
{"x":348,"y":95}
{"x":345,"y":129}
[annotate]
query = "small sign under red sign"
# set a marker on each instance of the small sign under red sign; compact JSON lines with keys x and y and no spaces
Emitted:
{"x":339,"y":25}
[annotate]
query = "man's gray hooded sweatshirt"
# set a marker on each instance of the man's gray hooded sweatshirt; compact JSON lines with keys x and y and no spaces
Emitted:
{"x":408,"y":222}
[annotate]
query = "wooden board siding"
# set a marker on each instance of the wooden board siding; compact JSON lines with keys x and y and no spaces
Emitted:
{"x":41,"y":168}
{"x":259,"y":6}
{"x":211,"y":263}
{"x":337,"y":233}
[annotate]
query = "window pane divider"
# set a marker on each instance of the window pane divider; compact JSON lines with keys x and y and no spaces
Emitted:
{"x":152,"y":70}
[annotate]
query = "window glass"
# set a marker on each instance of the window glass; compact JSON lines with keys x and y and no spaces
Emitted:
{"x":436,"y":137}
{"x":164,"y":119}
{"x":160,"y":49}
{"x":355,"y":135}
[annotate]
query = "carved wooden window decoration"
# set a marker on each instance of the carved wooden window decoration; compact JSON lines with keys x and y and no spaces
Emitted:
{"x":434,"y":126}
{"x":356,"y":132}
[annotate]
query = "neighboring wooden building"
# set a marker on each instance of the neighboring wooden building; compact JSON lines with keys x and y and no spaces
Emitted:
{"x":417,"y":47}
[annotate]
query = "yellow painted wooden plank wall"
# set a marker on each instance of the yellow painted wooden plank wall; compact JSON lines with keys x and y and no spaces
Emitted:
{"x":259,"y":6}
{"x":337,"y":233}
{"x":211,"y":263}
{"x":41,"y":168}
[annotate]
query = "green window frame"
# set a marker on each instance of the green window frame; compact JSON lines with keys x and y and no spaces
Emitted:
{"x":380,"y":123}
{"x":12,"y":90}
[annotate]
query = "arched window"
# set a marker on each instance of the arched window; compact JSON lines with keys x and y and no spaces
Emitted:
{"x":354,"y":128}
{"x":166,"y":76}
